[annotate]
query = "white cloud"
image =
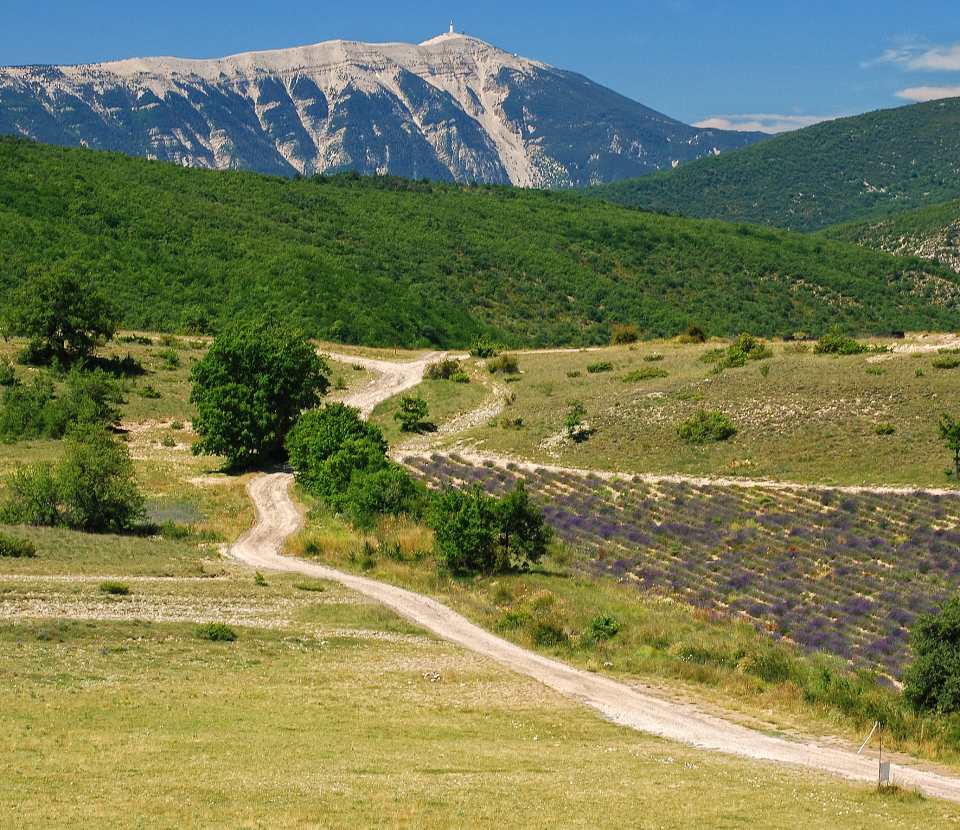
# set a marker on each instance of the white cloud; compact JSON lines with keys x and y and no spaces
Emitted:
{"x":923,"y":58}
{"x":929,"y":93}
{"x":762,"y":122}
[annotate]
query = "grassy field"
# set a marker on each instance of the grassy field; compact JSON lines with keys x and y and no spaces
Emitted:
{"x":327,"y":711}
{"x":800,"y":416}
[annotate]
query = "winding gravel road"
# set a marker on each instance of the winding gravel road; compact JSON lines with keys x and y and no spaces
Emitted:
{"x":278,"y":517}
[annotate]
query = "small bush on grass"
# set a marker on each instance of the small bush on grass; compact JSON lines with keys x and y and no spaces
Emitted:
{"x":646,"y":373}
{"x":876,"y":370}
{"x":260,"y":580}
{"x":216,"y":633}
{"x":573,"y":373}
{"x":624,"y":333}
{"x":483,"y":347}
{"x":839,"y":344}
{"x":745,"y":348}
{"x":604,"y":627}
{"x":885,"y":429}
{"x":339,"y":383}
{"x":8,"y":375}
{"x":115,"y":589}
{"x":312,"y":587}
{"x":169,"y":358}
{"x":693,"y":334}
{"x":946,"y":362}
{"x":412,"y":415}
{"x":149,"y":391}
{"x":599,"y":367}
{"x":506,"y":364}
{"x":460,"y":377}
{"x":547,"y":634}
{"x":706,"y":427}
{"x":573,"y":422}
{"x":656,"y":357}
{"x":16,"y":548}
{"x":443,"y":370}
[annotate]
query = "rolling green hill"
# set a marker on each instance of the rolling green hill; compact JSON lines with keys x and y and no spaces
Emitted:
{"x":932,"y":233}
{"x":391,"y":262}
{"x":838,"y":171}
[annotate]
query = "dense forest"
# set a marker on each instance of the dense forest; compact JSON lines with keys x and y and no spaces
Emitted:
{"x":873,"y":164}
{"x":392,"y":262}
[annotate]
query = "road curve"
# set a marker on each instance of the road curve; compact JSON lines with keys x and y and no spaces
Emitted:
{"x":278,"y":517}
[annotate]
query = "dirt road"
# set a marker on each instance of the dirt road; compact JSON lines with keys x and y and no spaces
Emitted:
{"x":278,"y":516}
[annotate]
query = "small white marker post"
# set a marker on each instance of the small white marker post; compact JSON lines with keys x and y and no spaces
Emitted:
{"x":883,"y":772}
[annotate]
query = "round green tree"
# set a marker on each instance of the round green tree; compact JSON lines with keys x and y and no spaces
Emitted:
{"x":64,"y":315}
{"x":932,"y":681}
{"x":251,"y":387}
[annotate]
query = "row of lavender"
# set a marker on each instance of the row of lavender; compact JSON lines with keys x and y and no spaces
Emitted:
{"x":831,"y":571}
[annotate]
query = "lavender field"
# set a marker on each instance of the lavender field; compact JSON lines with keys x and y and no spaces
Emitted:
{"x":828,"y":570}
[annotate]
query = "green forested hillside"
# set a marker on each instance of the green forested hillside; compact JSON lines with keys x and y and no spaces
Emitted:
{"x":932,"y":233}
{"x":385,"y":261}
{"x":838,"y":171}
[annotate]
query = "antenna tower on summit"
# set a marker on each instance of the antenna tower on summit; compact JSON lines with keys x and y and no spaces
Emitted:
{"x":451,"y":28}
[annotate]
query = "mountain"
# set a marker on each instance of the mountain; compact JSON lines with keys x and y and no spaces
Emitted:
{"x":453,"y":108}
{"x":387,"y":261}
{"x":931,"y":233}
{"x":838,"y":171}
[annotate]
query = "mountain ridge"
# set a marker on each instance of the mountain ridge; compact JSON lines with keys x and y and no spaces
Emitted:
{"x":450,"y":108}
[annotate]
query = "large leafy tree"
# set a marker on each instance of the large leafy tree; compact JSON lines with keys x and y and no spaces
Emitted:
{"x":63,"y":313}
{"x":950,"y":435}
{"x":932,"y":681}
{"x":250,"y":388}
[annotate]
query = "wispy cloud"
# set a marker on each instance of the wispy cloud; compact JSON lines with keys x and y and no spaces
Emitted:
{"x":922,"y":57}
{"x":762,"y":122}
{"x":929,"y":93}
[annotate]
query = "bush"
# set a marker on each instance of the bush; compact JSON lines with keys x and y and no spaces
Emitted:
{"x":646,"y":373}
{"x":705,"y":427}
{"x":16,"y":548}
{"x":599,"y":367}
{"x":886,"y":429}
{"x":946,"y":362}
{"x":624,"y":333}
{"x":693,"y":334}
{"x":250,"y":388}
{"x":169,"y":358}
{"x":216,"y":632}
{"x":506,"y":364}
{"x":92,"y":488}
{"x":838,"y":344}
{"x":656,"y":357}
{"x":546,"y":634}
{"x":412,"y":415}
{"x":8,"y":375}
{"x":460,"y":377}
{"x":604,"y":627}
{"x":932,"y":681}
{"x":388,"y":491}
{"x":477,"y":533}
{"x":327,"y":445}
{"x":573,"y":422}
{"x":443,"y":370}
{"x":484,"y":348}
{"x":745,"y":348}
{"x":150,"y":392}
{"x":115,"y":589}
{"x":63,"y":314}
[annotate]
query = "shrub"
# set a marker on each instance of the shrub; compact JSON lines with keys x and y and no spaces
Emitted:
{"x":546,"y":634}
{"x":176,"y":425}
{"x":412,"y":415}
{"x":600,"y":366}
{"x":91,"y":489}
{"x":506,"y":364}
{"x":169,"y":358}
{"x":251,"y":387}
{"x":327,"y":445}
{"x":8,"y":375}
{"x":339,"y":383}
{"x":63,"y":314}
{"x":656,"y":357}
{"x":573,"y":373}
{"x":16,"y":548}
{"x":604,"y":627}
{"x":949,"y":430}
{"x":443,"y":370}
{"x":886,"y":429}
{"x":705,"y":427}
{"x":484,"y":348}
{"x":838,"y":344}
{"x":149,"y":391}
{"x":623,"y":333}
{"x":932,"y":681}
{"x":477,"y":533}
{"x":216,"y":632}
{"x":646,"y":373}
{"x":460,"y":377}
{"x":946,"y":362}
{"x":693,"y":334}
{"x":114,"y":589}
{"x":573,"y":422}
{"x":388,"y":491}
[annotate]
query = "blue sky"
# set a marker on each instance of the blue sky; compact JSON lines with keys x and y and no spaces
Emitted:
{"x":771,"y":64}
